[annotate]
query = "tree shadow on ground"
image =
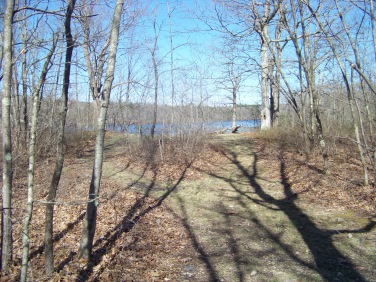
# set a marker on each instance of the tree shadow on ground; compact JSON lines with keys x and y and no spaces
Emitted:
{"x":329,"y":263}
{"x":58,"y":236}
{"x":138,"y":210}
{"x":200,"y":249}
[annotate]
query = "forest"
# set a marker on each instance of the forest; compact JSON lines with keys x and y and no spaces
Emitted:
{"x":111,"y":170}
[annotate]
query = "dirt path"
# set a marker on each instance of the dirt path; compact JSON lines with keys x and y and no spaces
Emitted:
{"x":247,"y":224}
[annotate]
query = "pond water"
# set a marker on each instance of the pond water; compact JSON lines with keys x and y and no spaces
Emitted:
{"x":212,"y":126}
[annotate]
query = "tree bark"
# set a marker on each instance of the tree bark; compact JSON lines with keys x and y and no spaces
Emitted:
{"x":24,"y":117}
{"x":30,"y":172}
{"x":234,"y":92}
{"x":169,"y":13}
{"x":95,"y":69}
{"x":6,"y":226}
{"x":156,"y":81}
{"x":265,"y":112}
{"x":263,"y":31}
{"x":59,"y":161}
{"x":155,"y":106}
{"x":276,"y":85}
{"x":87,"y":238}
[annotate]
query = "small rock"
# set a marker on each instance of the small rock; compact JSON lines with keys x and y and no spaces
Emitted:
{"x":253,"y":273}
{"x":189,"y":269}
{"x":350,"y":235}
{"x":340,"y":220}
{"x":129,"y":239}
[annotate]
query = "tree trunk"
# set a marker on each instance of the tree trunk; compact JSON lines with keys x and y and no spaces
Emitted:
{"x":87,"y":238}
{"x":16,"y":105}
{"x":24,"y":118}
{"x":266,"y":107}
{"x":277,"y":77}
{"x":156,"y":81}
{"x":234,"y":92}
{"x":59,"y":161}
{"x":32,"y":145}
{"x":155,"y":107}
{"x":6,"y":226}
{"x":171,"y":69}
{"x":265,"y":111}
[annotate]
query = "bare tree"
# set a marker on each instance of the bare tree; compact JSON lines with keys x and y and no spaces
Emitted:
{"x":370,"y":149}
{"x":95,"y":60}
{"x":153,"y":50}
{"x":59,"y":159}
{"x":6,"y":222}
{"x":31,"y":168}
{"x":172,"y":73}
{"x":350,"y":94}
{"x":259,"y":17}
{"x":275,"y":73}
{"x":262,"y":23}
{"x":306,"y":53}
{"x":23,"y":106}
{"x":231,"y":82}
{"x":86,"y":243}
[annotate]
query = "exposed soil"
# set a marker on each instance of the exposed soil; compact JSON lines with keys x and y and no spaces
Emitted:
{"x":243,"y":210}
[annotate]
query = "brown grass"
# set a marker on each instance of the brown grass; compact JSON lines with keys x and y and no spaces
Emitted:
{"x":195,"y":216}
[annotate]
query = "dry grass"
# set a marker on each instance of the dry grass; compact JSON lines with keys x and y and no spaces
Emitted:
{"x":241,"y":210}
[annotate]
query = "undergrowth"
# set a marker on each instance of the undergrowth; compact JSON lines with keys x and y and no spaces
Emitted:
{"x":174,"y":150}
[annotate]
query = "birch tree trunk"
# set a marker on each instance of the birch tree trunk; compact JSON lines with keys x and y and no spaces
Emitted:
{"x":30,"y":172}
{"x":87,"y":238}
{"x":6,"y":222}
{"x":59,"y":161}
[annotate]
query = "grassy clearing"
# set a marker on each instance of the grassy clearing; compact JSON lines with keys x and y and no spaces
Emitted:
{"x":247,"y":223}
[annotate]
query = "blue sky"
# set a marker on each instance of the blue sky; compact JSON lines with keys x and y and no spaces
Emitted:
{"x":196,"y":45}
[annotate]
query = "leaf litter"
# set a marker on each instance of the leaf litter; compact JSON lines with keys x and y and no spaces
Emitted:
{"x":141,"y":239}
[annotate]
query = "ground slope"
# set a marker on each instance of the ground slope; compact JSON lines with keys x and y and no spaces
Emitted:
{"x":242,"y":211}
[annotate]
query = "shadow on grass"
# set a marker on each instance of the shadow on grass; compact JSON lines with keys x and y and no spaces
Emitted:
{"x":329,"y":263}
{"x":203,"y":255}
{"x":136,"y":212}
